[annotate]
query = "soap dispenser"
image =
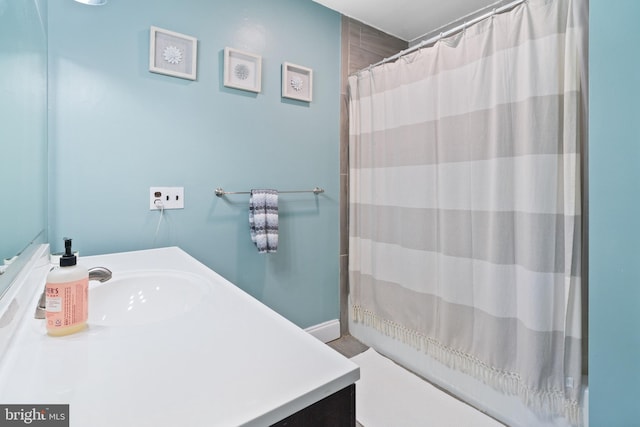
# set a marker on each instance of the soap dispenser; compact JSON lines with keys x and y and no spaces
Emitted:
{"x":67,"y":292}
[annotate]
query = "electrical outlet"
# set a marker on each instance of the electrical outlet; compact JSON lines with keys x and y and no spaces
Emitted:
{"x":166,"y":197}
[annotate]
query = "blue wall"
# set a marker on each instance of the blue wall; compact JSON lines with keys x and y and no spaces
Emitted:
{"x":23,"y":123}
{"x":116,"y":129}
{"x":614,"y":174}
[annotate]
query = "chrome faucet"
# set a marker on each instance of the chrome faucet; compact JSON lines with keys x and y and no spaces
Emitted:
{"x":101,"y":274}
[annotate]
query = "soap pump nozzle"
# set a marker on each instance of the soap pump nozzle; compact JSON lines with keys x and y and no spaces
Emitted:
{"x":68,"y":259}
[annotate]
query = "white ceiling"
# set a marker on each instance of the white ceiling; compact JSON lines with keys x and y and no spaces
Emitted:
{"x":407,"y":19}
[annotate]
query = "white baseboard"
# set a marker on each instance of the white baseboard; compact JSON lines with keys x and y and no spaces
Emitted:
{"x":326,"y":331}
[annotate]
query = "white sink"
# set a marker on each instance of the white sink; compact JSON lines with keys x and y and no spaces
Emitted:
{"x":142,"y":297}
{"x":200,"y":346}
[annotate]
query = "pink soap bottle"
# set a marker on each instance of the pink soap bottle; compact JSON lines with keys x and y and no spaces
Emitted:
{"x":67,"y":292}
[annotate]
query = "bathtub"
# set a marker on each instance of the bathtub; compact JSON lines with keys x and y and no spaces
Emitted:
{"x":506,"y":409}
{"x":170,"y":342}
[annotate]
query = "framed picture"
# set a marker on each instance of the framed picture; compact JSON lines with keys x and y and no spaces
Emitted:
{"x":297,"y":82}
{"x":172,"y":53}
{"x":242,"y":70}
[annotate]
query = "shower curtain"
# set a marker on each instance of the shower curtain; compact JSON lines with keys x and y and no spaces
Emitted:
{"x":465,"y":201}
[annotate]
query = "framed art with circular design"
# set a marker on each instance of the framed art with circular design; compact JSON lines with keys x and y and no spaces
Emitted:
{"x":242,"y":70}
{"x":297,"y":82}
{"x":172,"y":53}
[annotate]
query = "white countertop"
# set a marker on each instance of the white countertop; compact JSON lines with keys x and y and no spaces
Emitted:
{"x":230,"y":361}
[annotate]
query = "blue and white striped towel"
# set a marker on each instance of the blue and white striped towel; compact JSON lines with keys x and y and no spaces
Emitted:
{"x":263,"y":219}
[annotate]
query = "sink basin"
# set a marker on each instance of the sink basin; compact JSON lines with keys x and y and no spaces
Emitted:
{"x":141,"y":297}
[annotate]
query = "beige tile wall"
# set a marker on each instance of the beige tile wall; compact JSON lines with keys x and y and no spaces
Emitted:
{"x":361,"y":46}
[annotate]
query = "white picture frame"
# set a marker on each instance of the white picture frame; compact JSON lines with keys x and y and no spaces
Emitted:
{"x":242,"y":70}
{"x":297,"y":82}
{"x":172,"y":53}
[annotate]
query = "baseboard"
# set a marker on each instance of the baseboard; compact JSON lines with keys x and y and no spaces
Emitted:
{"x":326,"y":331}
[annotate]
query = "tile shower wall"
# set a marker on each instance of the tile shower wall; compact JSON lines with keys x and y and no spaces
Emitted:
{"x":361,"y":47}
{"x":116,"y":129}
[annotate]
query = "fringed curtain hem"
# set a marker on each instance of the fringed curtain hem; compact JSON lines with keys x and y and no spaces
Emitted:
{"x":543,"y":402}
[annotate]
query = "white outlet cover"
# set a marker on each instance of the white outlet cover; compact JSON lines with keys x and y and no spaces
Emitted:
{"x":166,"y":198}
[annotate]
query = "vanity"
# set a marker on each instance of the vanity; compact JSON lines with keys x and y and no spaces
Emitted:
{"x":172,"y":343}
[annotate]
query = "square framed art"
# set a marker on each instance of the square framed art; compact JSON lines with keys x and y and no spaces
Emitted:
{"x":172,"y":53}
{"x":242,"y":70}
{"x":297,"y":82}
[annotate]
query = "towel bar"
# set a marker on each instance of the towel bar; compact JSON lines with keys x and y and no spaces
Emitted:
{"x":220,"y":191}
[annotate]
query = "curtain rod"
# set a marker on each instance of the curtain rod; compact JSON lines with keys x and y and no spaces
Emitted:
{"x":452,"y":31}
{"x":467,"y":17}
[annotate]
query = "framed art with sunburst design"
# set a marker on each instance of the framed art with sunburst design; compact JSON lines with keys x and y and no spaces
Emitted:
{"x":297,"y":82}
{"x":172,"y":53}
{"x":242,"y":70}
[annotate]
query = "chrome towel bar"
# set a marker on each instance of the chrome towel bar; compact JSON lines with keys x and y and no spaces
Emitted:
{"x":220,"y":191}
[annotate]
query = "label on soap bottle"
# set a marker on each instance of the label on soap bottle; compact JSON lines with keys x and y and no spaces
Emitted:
{"x":66,"y":304}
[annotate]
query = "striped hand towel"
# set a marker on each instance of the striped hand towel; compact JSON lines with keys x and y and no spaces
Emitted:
{"x":263,"y":219}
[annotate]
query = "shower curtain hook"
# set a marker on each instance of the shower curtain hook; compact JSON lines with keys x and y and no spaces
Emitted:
{"x":422,"y":44}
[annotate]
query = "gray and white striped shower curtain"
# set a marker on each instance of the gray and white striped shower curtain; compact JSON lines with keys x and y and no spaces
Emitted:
{"x":465,"y":200}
